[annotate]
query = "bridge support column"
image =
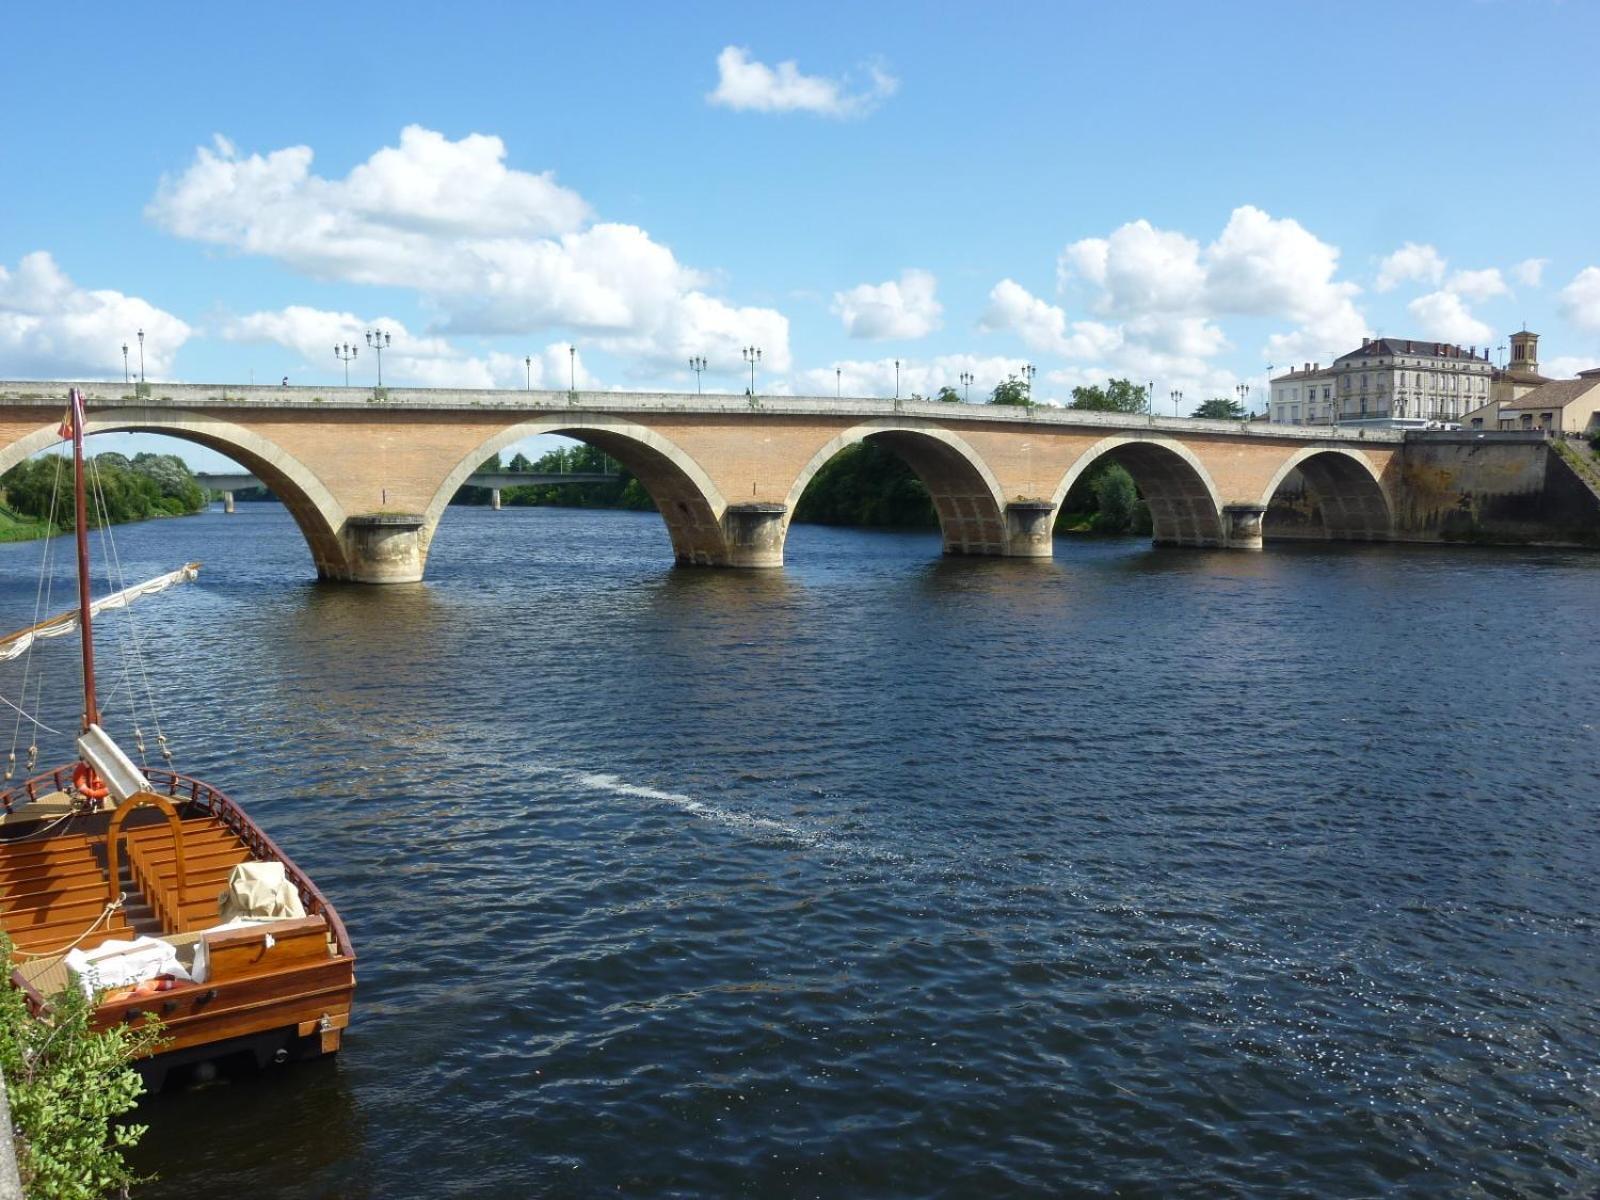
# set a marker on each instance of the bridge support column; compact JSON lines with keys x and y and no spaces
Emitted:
{"x":383,"y":548}
{"x":227,"y":502}
{"x":1030,"y":529}
{"x":494,"y":499}
{"x":755,"y":534}
{"x":1241,"y":526}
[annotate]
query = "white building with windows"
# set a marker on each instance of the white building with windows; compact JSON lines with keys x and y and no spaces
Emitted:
{"x":1386,"y":379}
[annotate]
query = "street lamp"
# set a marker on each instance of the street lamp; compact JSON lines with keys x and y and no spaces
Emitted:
{"x":897,"y":379}
{"x":124,"y":363}
{"x":752,"y":355}
{"x":1242,"y":390}
{"x":572,"y":367}
{"x":377,"y":340}
{"x":527,"y":363}
{"x":345,"y":354}
{"x":838,"y":383}
{"x":697,"y":364}
{"x":141,"y":356}
{"x":1177,"y":399}
{"x":1150,"y":397}
{"x":967,"y":379}
{"x":1028,"y":372}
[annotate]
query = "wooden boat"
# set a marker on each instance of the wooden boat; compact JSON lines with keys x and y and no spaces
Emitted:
{"x":100,"y":852}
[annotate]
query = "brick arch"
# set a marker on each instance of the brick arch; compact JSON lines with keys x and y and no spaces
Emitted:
{"x":965,"y":493}
{"x":319,"y":516}
{"x":683,"y":493}
{"x":1349,"y":492}
{"x":1185,"y":507}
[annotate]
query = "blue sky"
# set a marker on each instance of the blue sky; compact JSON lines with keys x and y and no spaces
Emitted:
{"x":1178,"y":193}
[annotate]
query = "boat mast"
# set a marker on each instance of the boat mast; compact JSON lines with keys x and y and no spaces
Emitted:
{"x":91,"y":715}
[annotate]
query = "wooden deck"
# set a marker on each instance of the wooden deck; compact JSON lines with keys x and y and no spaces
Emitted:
{"x":291,"y":977}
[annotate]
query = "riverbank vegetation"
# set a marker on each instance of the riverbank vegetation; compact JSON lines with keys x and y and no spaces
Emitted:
{"x":36,"y":495}
{"x":67,"y":1086}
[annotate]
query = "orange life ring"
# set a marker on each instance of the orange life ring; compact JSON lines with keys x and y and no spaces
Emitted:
{"x":88,"y":783}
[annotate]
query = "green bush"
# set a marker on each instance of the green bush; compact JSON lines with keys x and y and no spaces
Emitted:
{"x":67,"y":1085}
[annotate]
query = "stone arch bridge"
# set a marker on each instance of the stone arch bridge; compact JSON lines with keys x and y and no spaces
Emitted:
{"x":367,"y":474}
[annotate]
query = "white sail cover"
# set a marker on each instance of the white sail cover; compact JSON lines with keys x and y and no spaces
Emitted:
{"x":59,"y":626}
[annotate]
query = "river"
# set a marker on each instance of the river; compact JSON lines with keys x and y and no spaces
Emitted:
{"x":1140,"y":872}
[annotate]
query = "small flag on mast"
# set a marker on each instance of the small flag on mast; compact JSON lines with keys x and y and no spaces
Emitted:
{"x":64,"y":431}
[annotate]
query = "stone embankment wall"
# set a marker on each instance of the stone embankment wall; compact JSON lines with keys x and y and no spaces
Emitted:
{"x":1500,"y":489}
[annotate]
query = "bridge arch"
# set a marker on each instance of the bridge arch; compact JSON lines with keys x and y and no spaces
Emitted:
{"x":1348,"y":490}
{"x":689,"y":502}
{"x":965,"y":493}
{"x":319,"y":516}
{"x":1185,"y":506}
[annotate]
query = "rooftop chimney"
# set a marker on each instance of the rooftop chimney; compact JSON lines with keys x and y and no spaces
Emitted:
{"x":1307,"y":368}
{"x":1365,"y":342}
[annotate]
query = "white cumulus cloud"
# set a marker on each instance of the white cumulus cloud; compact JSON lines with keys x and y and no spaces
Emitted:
{"x":1042,"y":326}
{"x":902,"y":308}
{"x":1412,"y":263}
{"x":746,"y":85}
{"x":1443,"y":315}
{"x":492,"y":249}
{"x":1580,"y":300}
{"x":1530,"y":271}
{"x":409,"y":359}
{"x":1477,"y":285}
{"x":51,"y":328}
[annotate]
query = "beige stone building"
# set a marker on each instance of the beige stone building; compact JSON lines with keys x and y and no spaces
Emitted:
{"x":1560,"y":406}
{"x":1385,"y":379}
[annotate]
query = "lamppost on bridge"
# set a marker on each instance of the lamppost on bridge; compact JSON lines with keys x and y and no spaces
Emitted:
{"x":572,"y":368}
{"x":377,"y":340}
{"x":125,"y":363}
{"x":1177,"y":399}
{"x":1242,"y":390}
{"x":141,"y":356}
{"x":1150,"y":397}
{"x":897,"y":379}
{"x":838,"y":383}
{"x":967,"y":378}
{"x":697,"y":364}
{"x":345,"y":354}
{"x":752,"y":355}
{"x":527,"y":363}
{"x":1028,"y":372}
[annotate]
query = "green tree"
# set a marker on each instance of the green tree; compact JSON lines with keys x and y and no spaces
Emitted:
{"x":865,"y":484}
{"x":520,"y":463}
{"x":948,"y":395}
{"x":67,"y":1085}
{"x":1220,"y":409}
{"x":1118,"y":395}
{"x":1011,"y":391}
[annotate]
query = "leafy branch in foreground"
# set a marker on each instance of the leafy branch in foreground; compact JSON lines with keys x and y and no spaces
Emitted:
{"x":67,"y":1085}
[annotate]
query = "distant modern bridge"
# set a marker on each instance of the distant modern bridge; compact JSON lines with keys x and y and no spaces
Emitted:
{"x":368,"y":473}
{"x":230,"y":482}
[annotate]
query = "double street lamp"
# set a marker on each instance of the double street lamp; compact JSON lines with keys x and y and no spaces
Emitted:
{"x":752,"y":355}
{"x":346,"y":354}
{"x":1177,"y":399}
{"x":1028,"y":372}
{"x":967,"y":378}
{"x":377,"y":340}
{"x":697,"y":364}
{"x":1242,"y":390}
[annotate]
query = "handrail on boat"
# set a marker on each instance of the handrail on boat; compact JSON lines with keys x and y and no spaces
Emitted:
{"x":114,"y":837}
{"x":217,"y":803}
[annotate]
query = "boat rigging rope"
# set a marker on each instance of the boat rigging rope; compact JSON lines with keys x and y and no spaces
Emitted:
{"x":105,"y":915}
{"x":41,"y":603}
{"x":117,"y":580}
